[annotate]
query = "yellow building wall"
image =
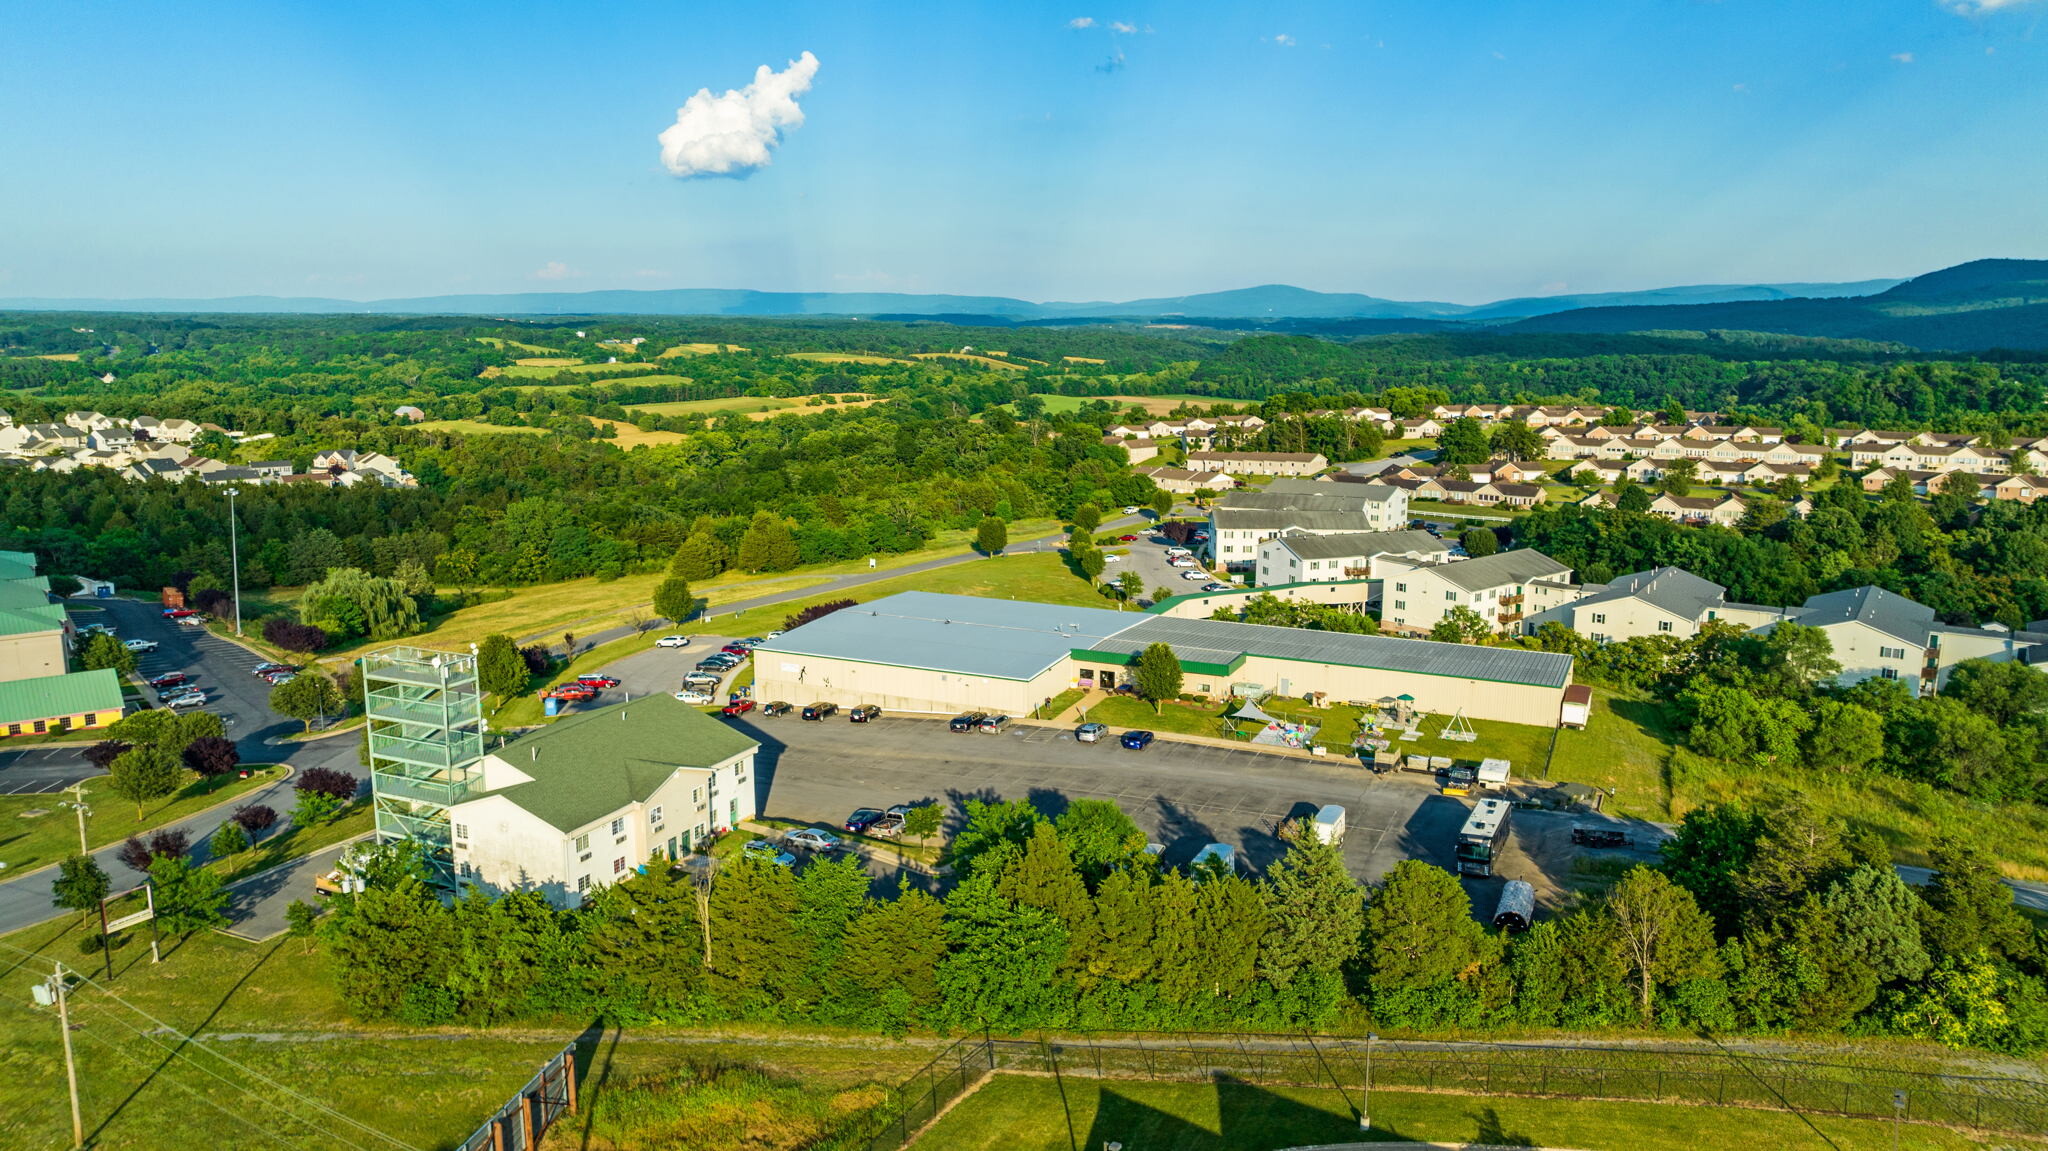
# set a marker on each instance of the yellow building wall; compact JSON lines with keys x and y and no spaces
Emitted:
{"x":61,"y":723}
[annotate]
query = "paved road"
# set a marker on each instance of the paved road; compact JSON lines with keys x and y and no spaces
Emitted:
{"x":257,"y":904}
{"x":223,"y":670}
{"x":714,"y":609}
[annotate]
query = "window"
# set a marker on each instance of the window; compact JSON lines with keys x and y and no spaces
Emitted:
{"x":583,"y":842}
{"x":92,"y":719}
{"x":582,"y":884}
{"x":462,"y":831}
{"x":1400,"y":605}
{"x":697,"y":795}
{"x":1891,"y":653}
{"x":1663,"y":625}
{"x":1599,"y":617}
{"x":619,"y":826}
{"x":1400,"y":587}
{"x":654,"y":816}
{"x":1889,"y":672}
{"x":618,"y":865}
{"x":1452,"y":596}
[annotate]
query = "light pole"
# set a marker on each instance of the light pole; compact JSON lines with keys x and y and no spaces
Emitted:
{"x":1365,"y":1104}
{"x":83,"y":811}
{"x":235,"y":559}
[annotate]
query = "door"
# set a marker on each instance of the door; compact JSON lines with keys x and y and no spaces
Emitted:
{"x":1106,"y":680}
{"x":733,"y":813}
{"x":672,"y":856}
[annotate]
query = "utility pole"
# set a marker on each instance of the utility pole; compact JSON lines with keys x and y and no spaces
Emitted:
{"x":235,"y":558}
{"x":70,"y":1068}
{"x":1365,"y":1105}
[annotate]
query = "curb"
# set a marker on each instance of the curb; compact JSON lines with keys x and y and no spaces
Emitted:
{"x":18,"y":876}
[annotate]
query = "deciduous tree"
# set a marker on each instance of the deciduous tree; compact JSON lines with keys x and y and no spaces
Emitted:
{"x":1157,"y":675}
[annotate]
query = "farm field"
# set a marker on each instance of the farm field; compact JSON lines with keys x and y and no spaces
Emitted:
{"x":1024,"y":1113}
{"x":528,"y":370}
{"x":841,"y":358}
{"x":474,"y":428}
{"x":631,"y":437}
{"x":535,"y":349}
{"x":758,"y":407}
{"x":548,"y":361}
{"x":700,"y":350}
{"x":985,"y":361}
{"x":1157,"y":405}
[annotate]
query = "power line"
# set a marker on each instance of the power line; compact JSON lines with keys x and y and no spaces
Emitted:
{"x":242,"y":1067}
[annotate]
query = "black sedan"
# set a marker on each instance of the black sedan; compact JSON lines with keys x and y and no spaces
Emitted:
{"x":865,"y":713}
{"x":820,"y":710}
{"x":863,"y":819}
{"x":775,"y":707}
{"x":969,"y":722}
{"x":1137,"y":740}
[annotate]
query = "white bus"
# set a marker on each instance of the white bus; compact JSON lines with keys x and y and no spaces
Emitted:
{"x":1483,"y":837}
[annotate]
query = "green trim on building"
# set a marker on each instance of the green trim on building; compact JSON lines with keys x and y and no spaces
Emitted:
{"x":55,"y":696}
{"x":1161,"y":607}
{"x":1120,"y":660}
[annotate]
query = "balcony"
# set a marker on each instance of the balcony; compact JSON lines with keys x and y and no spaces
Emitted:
{"x":426,"y":753}
{"x":440,"y":792}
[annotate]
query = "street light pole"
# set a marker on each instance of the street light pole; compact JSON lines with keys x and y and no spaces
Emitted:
{"x":235,"y":558}
{"x":1365,"y":1104}
{"x":83,"y":811}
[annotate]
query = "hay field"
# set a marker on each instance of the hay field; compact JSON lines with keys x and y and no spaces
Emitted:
{"x":985,"y":361}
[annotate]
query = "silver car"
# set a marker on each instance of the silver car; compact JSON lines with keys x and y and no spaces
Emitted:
{"x":812,"y":839}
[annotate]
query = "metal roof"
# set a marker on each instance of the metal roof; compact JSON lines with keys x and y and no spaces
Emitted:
{"x":51,"y":696}
{"x":1888,"y":612}
{"x":1223,"y":642}
{"x":1669,"y":589}
{"x":1519,"y":566}
{"x":964,"y":635}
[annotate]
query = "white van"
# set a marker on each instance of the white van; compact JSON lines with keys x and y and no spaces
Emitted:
{"x":1329,"y":824}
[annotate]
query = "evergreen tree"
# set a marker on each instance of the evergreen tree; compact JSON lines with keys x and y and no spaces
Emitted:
{"x":768,"y":545}
{"x":700,"y":557}
{"x":1969,"y":907}
{"x":830,"y":895}
{"x":1001,"y":969}
{"x":992,"y":833}
{"x":1043,"y":876}
{"x":500,"y":669}
{"x":1125,"y":950}
{"x":1316,"y":910}
{"x":392,"y":946}
{"x":1797,"y":853}
{"x":991,"y":536}
{"x":641,"y":947}
{"x":1715,"y":842}
{"x":513,"y":957}
{"x":753,"y":920}
{"x":888,"y":972}
{"x":1479,"y":542}
{"x":1421,"y":943}
{"x":1880,"y":921}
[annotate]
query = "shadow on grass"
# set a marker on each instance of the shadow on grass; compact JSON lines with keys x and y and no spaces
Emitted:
{"x":1250,"y":1118}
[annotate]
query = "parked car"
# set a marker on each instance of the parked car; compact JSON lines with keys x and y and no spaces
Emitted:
{"x":697,"y":695}
{"x":775,"y":707}
{"x":266,"y":667}
{"x":193,"y":621}
{"x":1127,"y":539}
{"x":179,"y":612}
{"x":186,"y":699}
{"x":1132,"y":510}
{"x":1091,"y":732}
{"x":703,"y":679}
{"x":1195,"y":576}
{"x":993,"y":724}
{"x":572,"y":692}
{"x":762,"y":849}
{"x":280,"y":678}
{"x":673,"y":641}
{"x":889,"y":826}
{"x":1112,"y":558}
{"x":739,"y":650}
{"x":968,"y":722}
{"x":1215,"y":587}
{"x":737,"y":707}
{"x":862,"y":819}
{"x":812,"y":839}
{"x":754,"y":641}
{"x":170,"y":679}
{"x":865,"y":713}
{"x":1586,"y":836}
{"x":598,"y":681}
{"x":771,"y":635}
{"x":1137,"y":740}
{"x":1177,"y":552}
{"x":820,"y":710}
{"x":713,"y":665}
{"x":140,"y":645}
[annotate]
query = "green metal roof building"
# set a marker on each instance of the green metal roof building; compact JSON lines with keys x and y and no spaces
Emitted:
{"x":55,"y":703}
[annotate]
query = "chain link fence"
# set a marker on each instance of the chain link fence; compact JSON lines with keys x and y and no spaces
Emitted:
{"x":1652,"y":1074}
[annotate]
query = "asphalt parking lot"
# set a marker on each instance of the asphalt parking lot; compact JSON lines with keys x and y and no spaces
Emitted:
{"x":1147,"y":557}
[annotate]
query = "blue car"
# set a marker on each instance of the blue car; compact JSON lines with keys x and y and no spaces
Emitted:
{"x":1137,"y":740}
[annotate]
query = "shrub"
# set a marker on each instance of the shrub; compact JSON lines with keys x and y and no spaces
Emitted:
{"x":292,"y":635}
{"x":330,"y":782}
{"x":137,"y":852}
{"x":536,"y":657}
{"x":229,"y":839}
{"x":255,"y":818}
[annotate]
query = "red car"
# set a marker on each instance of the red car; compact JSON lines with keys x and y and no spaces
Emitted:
{"x":178,"y":612}
{"x":1127,"y":539}
{"x":739,"y":649}
{"x":738,"y":707}
{"x":170,"y":679}
{"x":573,"y":692}
{"x":598,"y":681}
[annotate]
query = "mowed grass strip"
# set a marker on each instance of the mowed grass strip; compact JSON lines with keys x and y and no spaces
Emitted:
{"x":842,"y":358}
{"x":985,"y":361}
{"x":1156,"y":405}
{"x":1029,"y":1113}
{"x":475,"y":428}
{"x":700,"y":350}
{"x":526,"y":370}
{"x":36,"y":830}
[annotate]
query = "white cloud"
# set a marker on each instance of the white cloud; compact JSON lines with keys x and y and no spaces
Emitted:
{"x":1980,"y":7}
{"x":1081,"y":22}
{"x":1125,"y":28}
{"x":721,"y":135}
{"x":1284,"y":40}
{"x":554,"y":270}
{"x":1902,"y":57}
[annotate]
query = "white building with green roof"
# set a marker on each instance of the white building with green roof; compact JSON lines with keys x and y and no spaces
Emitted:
{"x":582,"y":802}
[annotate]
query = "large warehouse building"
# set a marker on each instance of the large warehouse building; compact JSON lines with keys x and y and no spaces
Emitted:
{"x":939,"y":654}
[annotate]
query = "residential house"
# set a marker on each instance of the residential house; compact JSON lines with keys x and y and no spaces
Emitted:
{"x":1881,"y":634}
{"x":1666,"y":601}
{"x":1723,"y":510}
{"x":1260,"y":463}
{"x":1181,"y":481}
{"x":1135,"y":451}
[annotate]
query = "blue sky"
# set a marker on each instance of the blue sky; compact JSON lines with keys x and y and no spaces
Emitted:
{"x":1460,"y":150}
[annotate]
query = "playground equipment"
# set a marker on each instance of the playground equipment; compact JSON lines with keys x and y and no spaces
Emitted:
{"x":1459,"y":730}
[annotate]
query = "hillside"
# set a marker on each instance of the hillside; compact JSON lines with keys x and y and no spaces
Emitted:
{"x":1970,"y":307}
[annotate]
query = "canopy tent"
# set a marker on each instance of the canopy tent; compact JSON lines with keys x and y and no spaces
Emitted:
{"x":1251,"y":710}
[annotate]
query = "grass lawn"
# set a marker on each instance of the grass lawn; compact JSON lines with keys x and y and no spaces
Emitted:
{"x":984,"y":361}
{"x":1024,"y":1113}
{"x":1061,"y":702}
{"x":498,"y":342}
{"x":657,"y":378}
{"x":295,"y":842}
{"x":629,"y":437}
{"x":701,"y":350}
{"x":1436,"y":509}
{"x":474,"y":428}
{"x":741,"y":404}
{"x":1122,"y":711}
{"x":549,"y":361}
{"x":1626,"y":745}
{"x":36,"y":830}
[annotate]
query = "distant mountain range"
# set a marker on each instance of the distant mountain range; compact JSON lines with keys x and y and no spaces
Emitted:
{"x":1269,"y":302}
{"x":1971,"y":307}
{"x":1975,"y":306}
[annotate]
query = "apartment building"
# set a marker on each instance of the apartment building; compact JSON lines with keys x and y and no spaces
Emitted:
{"x":1240,"y":520}
{"x":1301,"y":557}
{"x":1503,"y":588}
